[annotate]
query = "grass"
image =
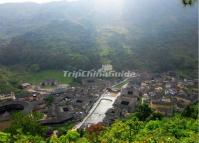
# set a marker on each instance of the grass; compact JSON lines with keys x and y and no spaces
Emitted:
{"x":36,"y":78}
{"x":11,"y":79}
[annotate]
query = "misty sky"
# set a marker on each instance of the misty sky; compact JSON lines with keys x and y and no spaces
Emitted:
{"x":37,"y":1}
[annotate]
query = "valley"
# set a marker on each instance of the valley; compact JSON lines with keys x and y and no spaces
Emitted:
{"x":99,"y":71}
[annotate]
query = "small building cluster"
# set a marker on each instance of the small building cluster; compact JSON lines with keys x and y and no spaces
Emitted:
{"x":59,"y":103}
{"x":164,"y":93}
{"x":125,"y":103}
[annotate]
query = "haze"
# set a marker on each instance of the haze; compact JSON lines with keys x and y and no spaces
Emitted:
{"x":36,"y":1}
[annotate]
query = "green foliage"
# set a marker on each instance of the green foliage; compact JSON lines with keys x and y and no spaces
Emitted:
{"x":27,"y":124}
{"x":86,"y":43}
{"x":34,"y":68}
{"x":68,"y":47}
{"x":153,"y":129}
{"x":63,"y":128}
{"x":70,"y":137}
{"x":142,"y":42}
{"x":191,"y":111}
{"x":118,"y":132}
{"x":54,"y":139}
{"x":49,"y":100}
{"x":8,"y":82}
{"x":4,"y":137}
{"x":24,"y":138}
{"x":188,"y":2}
{"x":143,"y":112}
{"x":38,"y":77}
{"x":156,"y":116}
{"x":176,"y":129}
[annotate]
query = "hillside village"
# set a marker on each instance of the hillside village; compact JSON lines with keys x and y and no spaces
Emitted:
{"x":164,"y":93}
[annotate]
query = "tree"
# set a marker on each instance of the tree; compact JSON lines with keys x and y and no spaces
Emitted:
{"x":156,"y":116}
{"x":143,"y":112}
{"x":134,"y":127}
{"x":188,"y":2}
{"x":21,"y":138}
{"x":28,"y":124}
{"x":49,"y":100}
{"x":191,"y":111}
{"x":94,"y":131}
{"x":71,"y":136}
{"x":55,"y":139}
{"x":175,"y":129}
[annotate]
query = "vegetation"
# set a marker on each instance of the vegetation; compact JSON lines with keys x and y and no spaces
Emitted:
{"x":63,"y":128}
{"x":56,"y":44}
{"x":188,"y":2}
{"x":49,"y":100}
{"x":10,"y":80}
{"x":175,"y":129}
{"x":62,"y":36}
{"x":178,"y":129}
{"x":191,"y":111}
{"x":26,"y":124}
{"x":38,"y":77}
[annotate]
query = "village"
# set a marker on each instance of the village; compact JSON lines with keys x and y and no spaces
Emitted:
{"x":59,"y":103}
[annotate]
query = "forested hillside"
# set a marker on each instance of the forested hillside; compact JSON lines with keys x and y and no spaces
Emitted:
{"x":83,"y":35}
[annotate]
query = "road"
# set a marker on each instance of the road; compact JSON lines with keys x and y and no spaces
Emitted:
{"x":99,"y":109}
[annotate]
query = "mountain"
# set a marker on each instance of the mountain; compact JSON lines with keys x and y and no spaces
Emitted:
{"x":157,"y":36}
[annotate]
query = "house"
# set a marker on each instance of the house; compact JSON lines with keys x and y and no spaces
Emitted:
{"x":126,"y":103}
{"x":167,"y":85}
{"x":106,"y":68}
{"x":171,"y":92}
{"x":152,"y":94}
{"x":158,"y":89}
{"x":166,"y":108}
{"x":8,"y":97}
{"x":145,"y":98}
{"x":49,"y":82}
{"x":25,"y":85}
{"x":183,"y":98}
{"x":111,"y":115}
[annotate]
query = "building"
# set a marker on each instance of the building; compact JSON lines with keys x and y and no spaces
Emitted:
{"x":25,"y":85}
{"x":106,"y":68}
{"x":166,"y":108}
{"x":49,"y":82}
{"x":10,"y":96}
